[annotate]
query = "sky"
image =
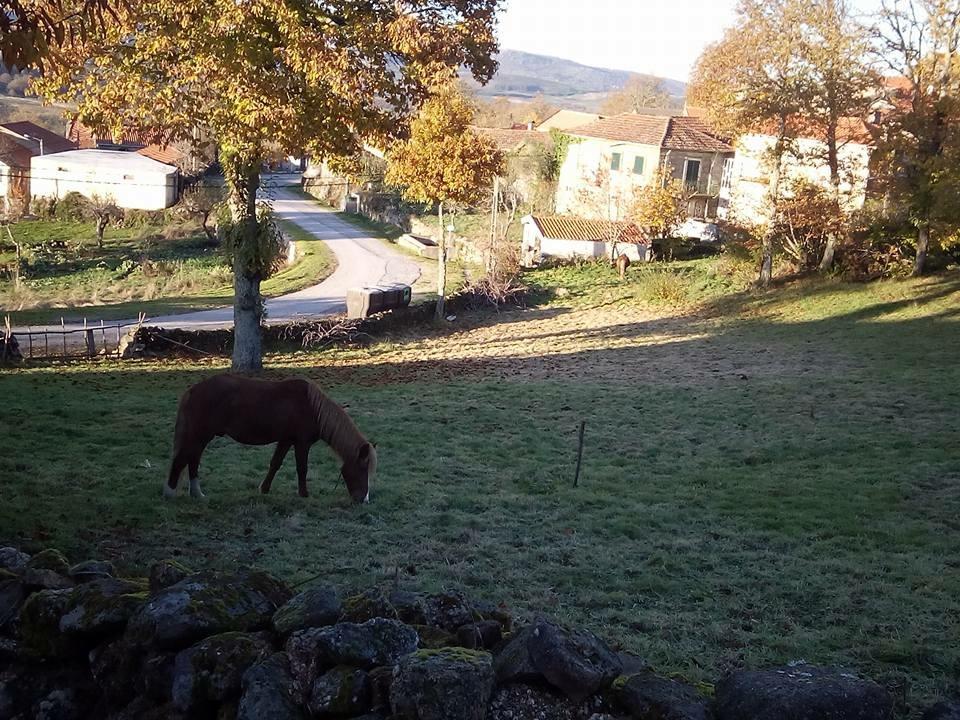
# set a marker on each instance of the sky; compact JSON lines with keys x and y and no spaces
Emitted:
{"x":660,"y":37}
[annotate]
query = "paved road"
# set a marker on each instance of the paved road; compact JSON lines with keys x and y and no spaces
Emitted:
{"x":361,"y":261}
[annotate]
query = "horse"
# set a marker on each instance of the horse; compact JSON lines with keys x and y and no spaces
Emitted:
{"x":291,"y":413}
{"x":621,"y":263}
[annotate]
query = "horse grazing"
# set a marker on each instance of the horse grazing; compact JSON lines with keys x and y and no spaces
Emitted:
{"x":622,"y":263}
{"x":290,"y":413}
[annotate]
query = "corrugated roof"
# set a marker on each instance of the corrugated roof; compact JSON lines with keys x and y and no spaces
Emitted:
{"x":570,"y":227}
{"x":675,"y":132}
{"x":52,"y":143}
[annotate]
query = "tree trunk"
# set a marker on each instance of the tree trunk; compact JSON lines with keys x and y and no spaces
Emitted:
{"x":243,"y":179}
{"x":766,"y":259}
{"x":441,"y":267}
{"x":833,"y":161}
{"x":101,"y":227}
{"x":923,"y":245}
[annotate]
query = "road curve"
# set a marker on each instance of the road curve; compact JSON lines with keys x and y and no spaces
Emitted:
{"x":362,"y":260}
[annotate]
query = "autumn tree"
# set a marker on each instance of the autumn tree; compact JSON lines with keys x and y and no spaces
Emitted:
{"x":442,"y":162}
{"x":754,"y":80}
{"x":919,"y":40}
{"x":660,"y":207}
{"x":200,"y":202}
{"x":640,"y":92}
{"x":320,"y":77}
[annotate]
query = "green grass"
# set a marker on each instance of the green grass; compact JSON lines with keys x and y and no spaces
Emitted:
{"x":774,"y":479}
{"x":154,"y":270}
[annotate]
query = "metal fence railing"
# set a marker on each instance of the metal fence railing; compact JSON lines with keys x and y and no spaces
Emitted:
{"x":97,"y":340}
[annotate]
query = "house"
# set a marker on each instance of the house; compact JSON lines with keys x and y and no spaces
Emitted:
{"x":187,"y":158}
{"x":564,"y":120}
{"x":132,"y":180}
{"x":523,"y":150}
{"x":747,"y":179}
{"x":611,"y":158}
{"x":568,"y":237}
{"x":19,"y":142}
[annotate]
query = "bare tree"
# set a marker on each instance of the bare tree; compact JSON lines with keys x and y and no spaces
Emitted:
{"x":102,"y":209}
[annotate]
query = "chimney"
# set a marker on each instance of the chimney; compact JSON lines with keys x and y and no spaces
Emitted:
{"x":530,"y":125}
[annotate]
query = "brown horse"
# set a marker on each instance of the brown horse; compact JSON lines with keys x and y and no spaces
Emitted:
{"x":290,"y":413}
{"x":622,"y":263}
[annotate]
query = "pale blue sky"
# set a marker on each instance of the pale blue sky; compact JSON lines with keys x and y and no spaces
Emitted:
{"x":661,"y":37}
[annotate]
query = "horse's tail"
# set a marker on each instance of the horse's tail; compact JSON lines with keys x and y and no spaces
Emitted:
{"x":181,"y":433}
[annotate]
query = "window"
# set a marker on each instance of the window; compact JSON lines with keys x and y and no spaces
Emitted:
{"x":615,"y":161}
{"x":691,"y":172}
{"x":638,"y":165}
{"x":726,"y":179}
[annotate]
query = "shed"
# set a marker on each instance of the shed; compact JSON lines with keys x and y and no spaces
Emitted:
{"x":569,"y":237}
{"x":133,"y":181}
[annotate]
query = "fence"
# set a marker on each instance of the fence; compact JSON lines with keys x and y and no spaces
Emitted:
{"x":103,"y":340}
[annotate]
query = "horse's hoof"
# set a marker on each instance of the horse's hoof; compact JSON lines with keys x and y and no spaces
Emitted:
{"x":169,"y":492}
{"x":304,"y":493}
{"x":264,"y":490}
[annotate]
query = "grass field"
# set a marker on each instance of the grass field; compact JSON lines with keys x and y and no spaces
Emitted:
{"x":774,"y":476}
{"x":150,"y":269}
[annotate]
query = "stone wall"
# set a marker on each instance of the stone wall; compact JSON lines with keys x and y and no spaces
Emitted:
{"x":81,"y":642}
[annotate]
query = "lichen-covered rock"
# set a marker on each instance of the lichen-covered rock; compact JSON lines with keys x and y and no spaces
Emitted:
{"x":448,"y":611}
{"x":13,"y":560}
{"x":268,"y":691}
{"x":943,"y":711}
{"x":47,"y":570}
{"x":367,"y":645}
{"x":92,"y":570}
{"x":341,"y":692}
{"x":116,"y":668}
{"x":207,"y":604}
{"x":317,"y":607}
{"x":75,"y":620}
{"x":483,"y":635}
{"x":577,"y":663}
{"x":165,"y":573}
{"x":531,"y":702}
{"x":484,"y":610}
{"x":381,"y":680}
{"x":211,"y":671}
{"x":800,"y":692}
{"x":409,"y":607}
{"x":443,"y":684}
{"x":368,"y":605}
{"x":648,"y":695}
{"x":50,"y":691}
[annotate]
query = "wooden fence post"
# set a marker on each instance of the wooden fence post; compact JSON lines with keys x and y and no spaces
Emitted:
{"x":576,"y":477}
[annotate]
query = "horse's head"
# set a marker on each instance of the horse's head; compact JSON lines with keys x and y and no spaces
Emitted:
{"x":359,"y":471}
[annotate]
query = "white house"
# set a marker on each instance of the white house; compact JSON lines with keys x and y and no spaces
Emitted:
{"x":567,"y":237}
{"x":747,"y":179}
{"x":20,"y":141}
{"x":131,"y":180}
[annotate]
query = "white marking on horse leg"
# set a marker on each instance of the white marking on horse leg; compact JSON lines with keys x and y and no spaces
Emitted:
{"x":367,"y":498}
{"x":195,"y":490}
{"x":168,"y":492}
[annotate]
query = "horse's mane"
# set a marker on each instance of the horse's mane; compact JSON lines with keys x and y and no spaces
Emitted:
{"x":337,"y":429}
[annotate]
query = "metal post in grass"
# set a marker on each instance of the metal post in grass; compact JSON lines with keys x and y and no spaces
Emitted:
{"x":103,"y":337}
{"x":30,"y":339}
{"x":63,"y":334}
{"x":576,"y":477}
{"x":88,"y":339}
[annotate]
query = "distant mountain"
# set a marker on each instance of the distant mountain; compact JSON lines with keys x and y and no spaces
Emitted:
{"x":524,"y":75}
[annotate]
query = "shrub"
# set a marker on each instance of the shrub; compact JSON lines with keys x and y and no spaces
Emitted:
{"x":144,"y":218}
{"x":72,"y":207}
{"x":665,"y":287}
{"x":43,"y":207}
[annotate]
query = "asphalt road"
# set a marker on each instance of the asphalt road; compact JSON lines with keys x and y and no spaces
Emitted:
{"x":362,"y":261}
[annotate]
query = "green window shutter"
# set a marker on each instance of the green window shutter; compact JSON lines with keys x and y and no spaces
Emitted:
{"x":638,"y":165}
{"x":615,"y":161}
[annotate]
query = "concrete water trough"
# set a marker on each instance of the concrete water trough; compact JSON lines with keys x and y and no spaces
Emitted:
{"x":423,"y":246}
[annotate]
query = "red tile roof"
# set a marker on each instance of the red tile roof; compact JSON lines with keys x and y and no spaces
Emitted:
{"x":169,"y":154}
{"x":52,"y":143}
{"x":570,"y":227}
{"x":510,"y":140}
{"x":675,"y":132}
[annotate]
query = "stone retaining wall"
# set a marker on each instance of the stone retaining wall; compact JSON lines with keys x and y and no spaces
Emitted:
{"x":80,"y":642}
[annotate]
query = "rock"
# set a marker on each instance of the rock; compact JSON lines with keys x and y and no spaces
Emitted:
{"x":13,"y":560}
{"x":59,"y":704}
{"x":268,"y":691}
{"x":47,"y":570}
{"x":341,"y":692}
{"x":488,"y":611}
{"x":77,"y":619}
{"x":12,"y":596}
{"x":91,"y":570}
{"x":483,"y":635}
{"x":448,"y":611}
{"x":434,"y":637}
{"x":116,"y":668}
{"x":943,"y":711}
{"x":648,"y":695}
{"x":9,"y":650}
{"x":156,"y":680}
{"x":632,"y":664}
{"x":368,"y":605}
{"x":443,"y":684}
{"x":211,"y":671}
{"x":381,"y":679}
{"x":316,"y":607}
{"x":207,"y":604}
{"x":800,"y":692}
{"x":165,"y":573}
{"x":58,"y":691}
{"x":375,"y":642}
{"x":528,"y":702}
{"x":575,"y":662}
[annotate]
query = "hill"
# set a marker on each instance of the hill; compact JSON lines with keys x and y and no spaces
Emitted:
{"x":564,"y":82}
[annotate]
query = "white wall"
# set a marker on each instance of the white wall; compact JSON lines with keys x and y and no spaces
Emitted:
{"x":133,"y":182}
{"x":535,"y":247}
{"x":751,"y":172}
